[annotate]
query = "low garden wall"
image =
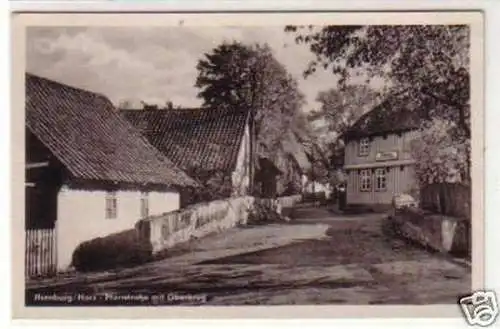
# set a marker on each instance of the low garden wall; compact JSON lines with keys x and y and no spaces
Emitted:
{"x":154,"y":235}
{"x":435,"y":231}
{"x":166,"y":230}
{"x":289,"y":201}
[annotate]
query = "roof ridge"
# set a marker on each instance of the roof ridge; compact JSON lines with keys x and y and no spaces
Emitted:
{"x":193,"y":131}
{"x":47,"y":98}
{"x":64,"y":85}
{"x":187,"y":109}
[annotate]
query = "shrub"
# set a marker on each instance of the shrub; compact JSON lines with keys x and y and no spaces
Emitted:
{"x":122,"y":249}
{"x":317,"y":196}
{"x":292,"y":188}
{"x":263,"y":212}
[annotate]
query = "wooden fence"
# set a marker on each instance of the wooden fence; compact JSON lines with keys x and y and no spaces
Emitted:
{"x":451,"y":199}
{"x":41,"y":252}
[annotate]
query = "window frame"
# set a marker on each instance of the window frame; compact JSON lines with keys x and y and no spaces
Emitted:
{"x":364,"y":146}
{"x":111,"y":205}
{"x":144,"y":204}
{"x":380,"y":175}
{"x":365,"y":180}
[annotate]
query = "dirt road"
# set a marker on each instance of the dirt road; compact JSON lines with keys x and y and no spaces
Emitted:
{"x":318,"y":258}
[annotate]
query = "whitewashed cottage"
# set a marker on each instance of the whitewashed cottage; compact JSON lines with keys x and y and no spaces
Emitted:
{"x":89,"y":173}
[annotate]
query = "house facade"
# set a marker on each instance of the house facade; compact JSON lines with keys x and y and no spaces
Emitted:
{"x":378,"y":159}
{"x":89,"y":173}
{"x":378,"y":167}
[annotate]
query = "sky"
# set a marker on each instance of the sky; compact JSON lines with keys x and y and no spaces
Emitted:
{"x":154,"y":64}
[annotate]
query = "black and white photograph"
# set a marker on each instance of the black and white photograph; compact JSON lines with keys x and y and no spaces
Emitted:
{"x":243,"y":165}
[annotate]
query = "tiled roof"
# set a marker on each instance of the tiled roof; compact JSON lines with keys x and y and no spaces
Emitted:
{"x":206,"y":139}
{"x":295,"y":149}
{"x":91,"y":139}
{"x":398,"y":112}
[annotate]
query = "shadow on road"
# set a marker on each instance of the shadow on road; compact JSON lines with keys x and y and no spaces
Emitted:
{"x":347,"y":242}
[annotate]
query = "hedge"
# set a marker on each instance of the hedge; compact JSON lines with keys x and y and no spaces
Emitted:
{"x":123,"y":249}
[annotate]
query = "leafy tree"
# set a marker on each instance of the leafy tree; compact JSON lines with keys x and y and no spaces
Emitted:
{"x":340,"y":109}
{"x":438,"y":157}
{"x":429,"y":59}
{"x":242,"y":76}
{"x":426,"y":58}
{"x":249,"y":77}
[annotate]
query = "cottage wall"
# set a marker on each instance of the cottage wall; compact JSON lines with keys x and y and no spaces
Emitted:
{"x":400,"y":175}
{"x":241,"y":175}
{"x":81,"y":216}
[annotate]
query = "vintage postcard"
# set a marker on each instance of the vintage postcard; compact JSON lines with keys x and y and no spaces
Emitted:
{"x":214,"y":165}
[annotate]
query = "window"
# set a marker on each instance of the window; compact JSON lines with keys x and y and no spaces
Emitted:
{"x":365,"y":177}
{"x":111,"y":205}
{"x":144,"y":204}
{"x":364,"y":147}
{"x":380,"y":179}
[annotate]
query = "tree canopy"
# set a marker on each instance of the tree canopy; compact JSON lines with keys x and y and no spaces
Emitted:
{"x":438,"y":157}
{"x":418,"y":59}
{"x":422,"y":58}
{"x":342,"y":107}
{"x":249,"y":77}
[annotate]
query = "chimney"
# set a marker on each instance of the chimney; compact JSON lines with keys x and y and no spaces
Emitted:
{"x":148,"y":107}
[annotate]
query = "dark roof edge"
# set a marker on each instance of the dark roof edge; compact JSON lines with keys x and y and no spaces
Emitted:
{"x":67,"y":86}
{"x":182,"y":109}
{"x":83,"y":183}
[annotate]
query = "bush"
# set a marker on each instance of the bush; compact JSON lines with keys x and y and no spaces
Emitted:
{"x":122,"y":249}
{"x":262,"y":212}
{"x":317,"y":196}
{"x":292,"y":188}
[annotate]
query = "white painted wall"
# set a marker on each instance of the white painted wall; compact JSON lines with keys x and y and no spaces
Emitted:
{"x":240,"y":176}
{"x":81,"y":216}
{"x":313,"y":186}
{"x":304,"y":182}
{"x":161,"y":202}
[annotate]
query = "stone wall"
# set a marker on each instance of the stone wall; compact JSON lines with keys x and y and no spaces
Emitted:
{"x":435,"y":231}
{"x":169,"y":229}
{"x":198,"y":220}
{"x":289,"y":201}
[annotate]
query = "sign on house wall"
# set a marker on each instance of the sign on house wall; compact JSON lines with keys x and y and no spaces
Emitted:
{"x":386,"y":156}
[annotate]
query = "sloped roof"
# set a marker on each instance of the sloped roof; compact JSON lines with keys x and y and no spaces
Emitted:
{"x":91,"y":140}
{"x":208,"y":139}
{"x":295,"y":149}
{"x":398,"y":112}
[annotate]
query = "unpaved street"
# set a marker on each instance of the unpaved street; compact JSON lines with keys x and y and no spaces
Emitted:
{"x":318,"y":258}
